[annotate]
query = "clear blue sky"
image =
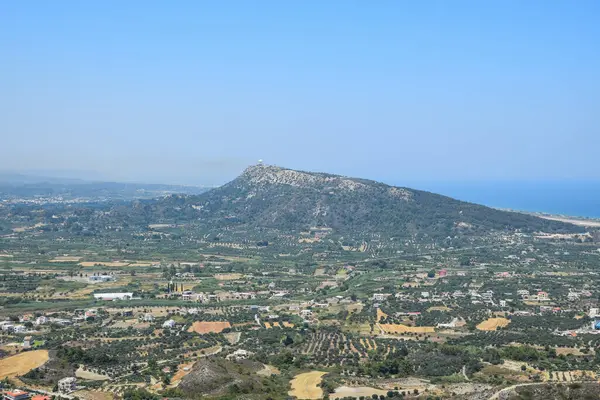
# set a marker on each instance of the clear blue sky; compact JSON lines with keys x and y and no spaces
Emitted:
{"x":401,"y":91}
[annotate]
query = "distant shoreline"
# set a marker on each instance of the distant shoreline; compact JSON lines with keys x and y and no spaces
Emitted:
{"x":575,"y":220}
{"x":587,"y":222}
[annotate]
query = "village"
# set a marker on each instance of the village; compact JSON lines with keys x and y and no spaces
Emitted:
{"x":144,"y":325}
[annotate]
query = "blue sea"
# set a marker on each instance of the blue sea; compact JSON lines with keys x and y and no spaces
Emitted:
{"x":573,"y":198}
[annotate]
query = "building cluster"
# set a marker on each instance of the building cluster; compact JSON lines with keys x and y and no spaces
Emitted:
{"x":65,"y":386}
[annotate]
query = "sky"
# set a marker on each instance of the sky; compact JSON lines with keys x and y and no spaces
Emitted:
{"x":192,"y":92}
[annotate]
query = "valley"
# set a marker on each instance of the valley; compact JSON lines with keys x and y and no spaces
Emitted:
{"x":285,"y":284}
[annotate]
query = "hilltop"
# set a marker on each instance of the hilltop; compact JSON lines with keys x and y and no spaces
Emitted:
{"x":265,"y":196}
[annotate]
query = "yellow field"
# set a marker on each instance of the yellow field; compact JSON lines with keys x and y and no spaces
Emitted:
{"x":276,"y":325}
{"x":491,"y":324}
{"x":438,"y":308}
{"x":207,"y":327}
{"x":380,"y":315}
{"x":568,"y":350}
{"x":268,"y":325}
{"x":93,"y":395}
{"x":400,"y":328}
{"x":64,"y":259}
{"x":356,"y":392}
{"x":103,"y":263}
{"x":304,"y":386}
{"x":22,"y":363}
{"x":309,"y":240}
{"x":228,"y":277}
{"x":288,"y":324}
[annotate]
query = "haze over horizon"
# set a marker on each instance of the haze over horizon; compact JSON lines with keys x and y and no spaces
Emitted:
{"x":399,"y":92}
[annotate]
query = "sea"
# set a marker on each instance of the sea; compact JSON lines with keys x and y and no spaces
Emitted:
{"x":569,"y":198}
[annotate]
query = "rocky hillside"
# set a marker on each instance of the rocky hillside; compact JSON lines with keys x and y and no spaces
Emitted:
{"x":215,"y":376}
{"x":289,"y":200}
{"x":567,"y":391}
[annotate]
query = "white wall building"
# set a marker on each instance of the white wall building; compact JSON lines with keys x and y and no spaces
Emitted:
{"x":113,"y":296}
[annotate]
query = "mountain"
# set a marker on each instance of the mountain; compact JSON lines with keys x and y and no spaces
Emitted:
{"x":273,"y":197}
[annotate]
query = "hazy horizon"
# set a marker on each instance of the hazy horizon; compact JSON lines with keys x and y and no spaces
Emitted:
{"x":192,"y":93}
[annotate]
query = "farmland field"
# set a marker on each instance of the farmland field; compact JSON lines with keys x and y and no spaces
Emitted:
{"x":243,"y":331}
{"x":89,"y":375}
{"x":304,"y":386}
{"x":60,"y":259}
{"x":400,"y":328}
{"x":491,"y":324}
{"x":228,"y":277}
{"x":103,"y":264}
{"x":208,"y":327}
{"x":355,"y":392}
{"x":381,"y":315}
{"x":22,"y":363}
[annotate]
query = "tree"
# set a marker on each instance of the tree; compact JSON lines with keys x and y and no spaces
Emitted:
{"x":288,"y":340}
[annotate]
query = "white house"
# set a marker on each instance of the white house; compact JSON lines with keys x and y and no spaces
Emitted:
{"x":148,"y":317}
{"x":573,"y":296}
{"x":168,"y":324}
{"x":380,"y":296}
{"x":7,"y":326}
{"x":239,"y":355}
